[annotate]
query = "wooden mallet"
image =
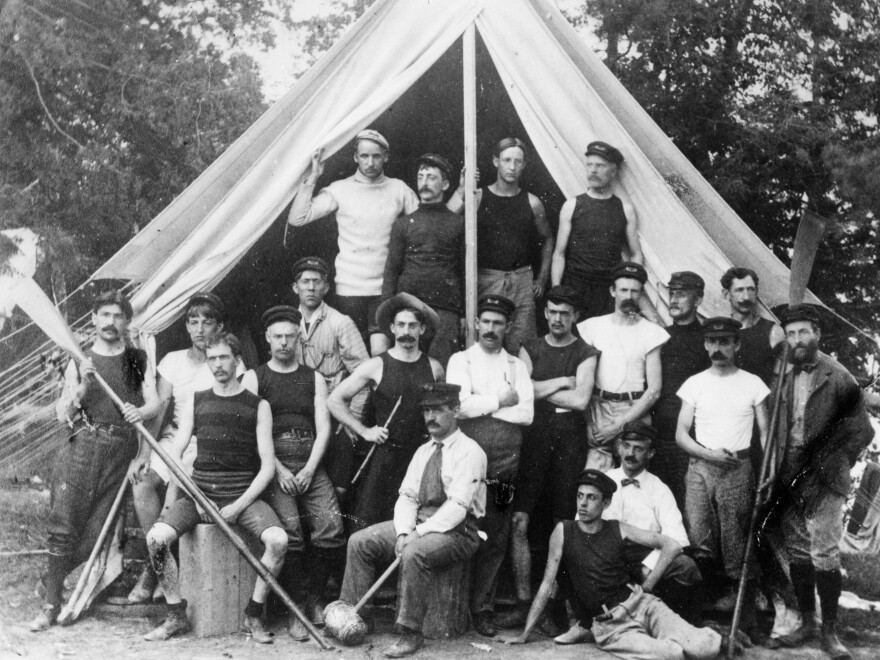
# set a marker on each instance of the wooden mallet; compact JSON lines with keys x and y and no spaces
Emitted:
{"x":344,"y":621}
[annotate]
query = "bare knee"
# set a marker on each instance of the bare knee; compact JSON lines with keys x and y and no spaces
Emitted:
{"x":160,"y":535}
{"x":275,"y":541}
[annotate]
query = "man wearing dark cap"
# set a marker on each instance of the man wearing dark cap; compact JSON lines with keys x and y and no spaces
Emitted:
{"x":366,"y":205}
{"x":822,"y":430}
{"x":722,"y":402}
{"x":396,"y":374}
{"x":628,"y":377}
{"x":510,"y":223}
{"x":425,"y":256}
{"x":434,"y":527}
{"x":680,"y":358}
{"x":555,"y":445}
{"x":596,"y":230}
{"x":301,"y":492}
{"x":329,"y":343}
{"x":497,"y":400}
{"x":626,"y":620}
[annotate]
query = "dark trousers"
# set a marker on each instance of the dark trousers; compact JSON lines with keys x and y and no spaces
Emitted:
{"x":670,"y":462}
{"x":496,"y":524}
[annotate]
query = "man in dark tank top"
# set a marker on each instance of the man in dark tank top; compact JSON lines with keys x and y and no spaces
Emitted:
{"x":509,"y":222}
{"x":398,"y":373}
{"x":301,"y":494}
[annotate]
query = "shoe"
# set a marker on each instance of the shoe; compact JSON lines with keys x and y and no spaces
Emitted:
{"x":254,"y":626}
{"x":142,"y":592}
{"x":549,"y":627}
{"x":47,"y":617}
{"x":175,"y":623}
{"x":315,"y":611}
{"x":577,"y":634}
{"x":484,"y":623}
{"x":297,"y":629}
{"x":802,"y":635}
{"x":410,"y":642}
{"x":831,"y":644}
{"x":515,"y":618}
{"x":773,"y":643}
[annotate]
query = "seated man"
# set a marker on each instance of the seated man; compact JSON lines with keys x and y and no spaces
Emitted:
{"x":301,"y":493}
{"x":434,"y":526}
{"x":627,"y":620}
{"x":235,"y":461}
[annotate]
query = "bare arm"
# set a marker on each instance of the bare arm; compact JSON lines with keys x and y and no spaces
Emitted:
{"x":642,"y":405}
{"x":456,"y":202}
{"x":562,"y":235}
{"x":368,"y":374}
{"x":578,"y":397}
{"x":546,"y":234}
{"x":266,"y":450}
{"x":633,"y":250}
{"x":305,"y":208}
{"x":322,"y":436}
{"x":668,"y":547}
{"x":691,"y":447}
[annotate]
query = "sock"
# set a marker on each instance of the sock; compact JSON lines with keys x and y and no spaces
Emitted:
{"x":253,"y":608}
{"x":292,"y":576}
{"x":56,"y":570}
{"x":803,"y":577}
{"x":828,"y":584}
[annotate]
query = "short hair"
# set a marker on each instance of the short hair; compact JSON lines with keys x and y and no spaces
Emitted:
{"x":420,"y":317}
{"x":509,"y":142}
{"x":298,"y":276}
{"x":205,"y":309}
{"x":112,"y":297}
{"x":228,"y":339}
{"x":737,"y":273}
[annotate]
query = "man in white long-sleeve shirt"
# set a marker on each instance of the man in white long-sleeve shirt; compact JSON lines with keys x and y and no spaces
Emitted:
{"x":497,"y":399}
{"x":366,"y":205}
{"x":434,"y":526}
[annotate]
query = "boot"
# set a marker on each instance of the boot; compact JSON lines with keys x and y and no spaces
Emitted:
{"x":175,"y":623}
{"x":142,"y":592}
{"x":409,"y":642}
{"x":297,"y":629}
{"x":803,"y":579}
{"x":484,"y":623}
{"x":254,"y":626}
{"x":804,"y":634}
{"x":831,"y":644}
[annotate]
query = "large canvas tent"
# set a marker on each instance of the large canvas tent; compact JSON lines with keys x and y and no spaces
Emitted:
{"x":398,"y":69}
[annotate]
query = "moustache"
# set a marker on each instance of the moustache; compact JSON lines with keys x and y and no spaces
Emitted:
{"x":746,"y":303}
{"x":629,"y":306}
{"x":404,"y":338}
{"x":717,"y":355}
{"x":490,"y":335}
{"x":109,"y":328}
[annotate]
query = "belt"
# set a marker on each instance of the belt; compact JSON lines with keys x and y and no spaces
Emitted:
{"x":109,"y":429}
{"x":617,"y":396}
{"x":296,"y":433}
{"x":741,"y":454}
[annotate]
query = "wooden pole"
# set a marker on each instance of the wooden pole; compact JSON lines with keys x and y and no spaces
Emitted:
{"x":469,"y":84}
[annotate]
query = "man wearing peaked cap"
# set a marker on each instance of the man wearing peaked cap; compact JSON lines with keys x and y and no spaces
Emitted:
{"x":426,"y":256}
{"x":680,"y":358}
{"x":628,"y":377}
{"x":823,"y":428}
{"x":366,"y":205}
{"x":722,"y":403}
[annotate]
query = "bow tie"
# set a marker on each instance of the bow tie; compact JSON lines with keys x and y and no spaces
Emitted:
{"x":630,"y":482}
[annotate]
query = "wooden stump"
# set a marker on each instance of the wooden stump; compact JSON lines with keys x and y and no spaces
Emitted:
{"x":448,"y":614}
{"x":215,"y":580}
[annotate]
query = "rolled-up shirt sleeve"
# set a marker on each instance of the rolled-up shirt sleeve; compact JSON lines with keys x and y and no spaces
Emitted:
{"x":407,"y":506}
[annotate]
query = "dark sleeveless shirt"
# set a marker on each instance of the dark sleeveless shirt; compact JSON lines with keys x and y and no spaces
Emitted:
{"x":124,"y":374}
{"x":505,"y":231}
{"x":225,"y":427}
{"x":595,"y":565}
{"x":291,"y":397}
{"x":681,"y":357}
{"x":755,"y":354}
{"x":555,"y":361}
{"x":598,"y":233}
{"x":399,"y":378}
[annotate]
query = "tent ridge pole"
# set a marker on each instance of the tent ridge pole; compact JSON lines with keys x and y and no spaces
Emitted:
{"x":469,"y":88}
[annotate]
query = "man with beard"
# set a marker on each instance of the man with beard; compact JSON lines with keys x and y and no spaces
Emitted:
{"x":235,"y":462}
{"x":497,"y":399}
{"x":554,"y":446}
{"x":628,"y":377}
{"x":724,"y":402}
{"x":365,"y":205}
{"x":329,"y":343}
{"x":680,"y":358}
{"x":510,"y":221}
{"x":397,"y":374}
{"x":426,"y":256}
{"x":103,"y":448}
{"x":823,"y":428}
{"x":301,"y":493}
{"x":435,"y":518}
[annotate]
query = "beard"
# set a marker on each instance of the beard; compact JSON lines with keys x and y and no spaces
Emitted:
{"x":804,"y":353}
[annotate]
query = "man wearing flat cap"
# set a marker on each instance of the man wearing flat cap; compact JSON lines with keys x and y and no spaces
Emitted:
{"x":596,"y":230}
{"x":366,"y":205}
{"x":301,"y":493}
{"x":680,"y":358}
{"x":822,"y":430}
{"x":396,"y":374}
{"x":628,"y":377}
{"x":497,"y":400}
{"x":426,"y":256}
{"x":722,"y":402}
{"x":434,"y":527}
{"x":626,"y":620}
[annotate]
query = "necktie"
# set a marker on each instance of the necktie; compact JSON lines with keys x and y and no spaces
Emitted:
{"x":630,"y":482}
{"x":431,"y":492}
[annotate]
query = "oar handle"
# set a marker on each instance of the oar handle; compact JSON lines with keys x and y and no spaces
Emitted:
{"x":373,"y":448}
{"x":378,"y":585}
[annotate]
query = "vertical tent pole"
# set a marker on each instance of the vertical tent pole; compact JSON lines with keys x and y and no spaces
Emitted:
{"x":469,"y":78}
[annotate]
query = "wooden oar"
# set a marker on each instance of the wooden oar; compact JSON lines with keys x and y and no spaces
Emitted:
{"x":373,"y":448}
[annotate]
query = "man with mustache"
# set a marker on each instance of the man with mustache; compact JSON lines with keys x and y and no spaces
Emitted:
{"x":398,"y":373}
{"x":628,"y":377}
{"x":235,"y":462}
{"x":426,"y":256}
{"x":497,"y":400}
{"x":301,"y":493}
{"x":680,"y":358}
{"x":822,"y":431}
{"x":510,"y":222}
{"x":555,"y":445}
{"x":723,"y":402}
{"x":366,"y":205}
{"x":434,"y":527}
{"x":103,"y":448}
